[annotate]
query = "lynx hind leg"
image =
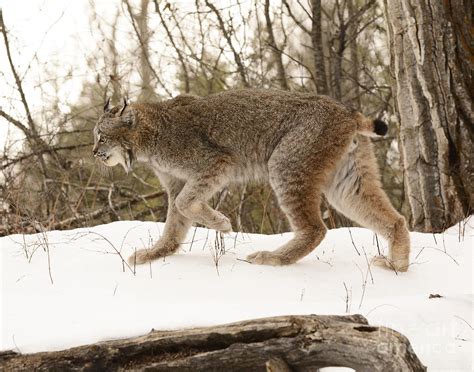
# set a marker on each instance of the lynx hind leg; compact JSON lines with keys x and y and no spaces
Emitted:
{"x":356,"y":192}
{"x":399,"y":248}
{"x":299,"y":194}
{"x":176,"y":226}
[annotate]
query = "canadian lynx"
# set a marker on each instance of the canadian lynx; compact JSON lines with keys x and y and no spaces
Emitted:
{"x":303,"y":144}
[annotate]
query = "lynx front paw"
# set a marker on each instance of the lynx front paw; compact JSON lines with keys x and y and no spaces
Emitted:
{"x":140,"y":257}
{"x":265,"y":258}
{"x":224,"y":226}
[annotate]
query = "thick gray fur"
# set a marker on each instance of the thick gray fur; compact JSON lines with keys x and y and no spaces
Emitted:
{"x":303,"y":144}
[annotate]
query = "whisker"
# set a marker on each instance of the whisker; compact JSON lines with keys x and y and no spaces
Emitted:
{"x":103,"y":169}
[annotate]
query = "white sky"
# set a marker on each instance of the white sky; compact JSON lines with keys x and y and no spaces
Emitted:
{"x":45,"y":34}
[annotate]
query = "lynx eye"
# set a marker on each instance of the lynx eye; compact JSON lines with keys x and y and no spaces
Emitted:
{"x":102,"y":140}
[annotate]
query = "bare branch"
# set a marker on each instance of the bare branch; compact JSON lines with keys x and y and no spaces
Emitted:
{"x":17,"y":124}
{"x":293,"y":17}
{"x":10,"y":162}
{"x":178,"y":51}
{"x":225,"y":32}
{"x":3,"y":29}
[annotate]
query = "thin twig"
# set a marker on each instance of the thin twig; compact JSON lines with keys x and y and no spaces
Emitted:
{"x":352,"y":240}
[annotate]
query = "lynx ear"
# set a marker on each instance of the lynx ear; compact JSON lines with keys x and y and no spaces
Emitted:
{"x":107,"y":107}
{"x":124,"y":106}
{"x":126,"y":121}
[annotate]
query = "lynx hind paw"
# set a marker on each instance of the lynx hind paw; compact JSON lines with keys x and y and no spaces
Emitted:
{"x":400,"y":265}
{"x":265,"y":258}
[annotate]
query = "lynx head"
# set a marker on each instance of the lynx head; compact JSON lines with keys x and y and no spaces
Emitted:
{"x":112,"y":136}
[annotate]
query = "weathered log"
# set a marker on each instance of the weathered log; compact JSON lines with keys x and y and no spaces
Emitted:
{"x":298,"y":343}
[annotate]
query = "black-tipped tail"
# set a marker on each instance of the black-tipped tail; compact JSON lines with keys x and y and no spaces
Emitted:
{"x":380,"y":127}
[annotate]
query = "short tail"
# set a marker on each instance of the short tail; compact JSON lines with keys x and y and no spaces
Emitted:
{"x":369,"y":127}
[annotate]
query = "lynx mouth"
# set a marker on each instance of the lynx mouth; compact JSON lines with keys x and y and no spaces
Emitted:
{"x":108,"y":159}
{"x":104,"y":159}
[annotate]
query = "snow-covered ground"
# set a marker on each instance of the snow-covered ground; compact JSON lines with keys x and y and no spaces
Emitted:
{"x":67,"y":288}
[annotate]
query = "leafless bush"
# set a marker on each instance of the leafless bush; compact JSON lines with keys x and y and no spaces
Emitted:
{"x":49,"y":179}
{"x":218,"y":249}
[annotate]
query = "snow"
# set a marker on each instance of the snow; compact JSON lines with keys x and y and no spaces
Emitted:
{"x":67,"y":288}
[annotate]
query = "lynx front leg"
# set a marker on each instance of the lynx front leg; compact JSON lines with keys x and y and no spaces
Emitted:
{"x":192,"y":200}
{"x":175,"y":230}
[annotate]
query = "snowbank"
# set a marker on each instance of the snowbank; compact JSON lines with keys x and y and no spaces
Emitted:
{"x":67,"y":288}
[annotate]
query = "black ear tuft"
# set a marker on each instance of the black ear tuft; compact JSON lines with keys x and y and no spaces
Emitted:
{"x":123,"y":107}
{"x":107,"y":105}
{"x":380,"y":127}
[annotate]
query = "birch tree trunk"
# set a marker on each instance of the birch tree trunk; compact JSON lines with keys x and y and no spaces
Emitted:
{"x":431,"y":64}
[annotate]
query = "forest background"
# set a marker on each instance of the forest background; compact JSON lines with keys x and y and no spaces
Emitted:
{"x":407,"y":62}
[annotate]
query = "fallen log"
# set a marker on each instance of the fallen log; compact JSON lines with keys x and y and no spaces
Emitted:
{"x":285,"y":343}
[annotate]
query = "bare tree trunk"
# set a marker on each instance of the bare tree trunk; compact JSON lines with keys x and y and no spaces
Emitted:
{"x":299,"y":343}
{"x":114,"y":77}
{"x":144,"y":51}
{"x":142,"y":23}
{"x":336,"y":82}
{"x":317,"y":41}
{"x":276,"y":52}
{"x":354,"y":68}
{"x":433,"y":91}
